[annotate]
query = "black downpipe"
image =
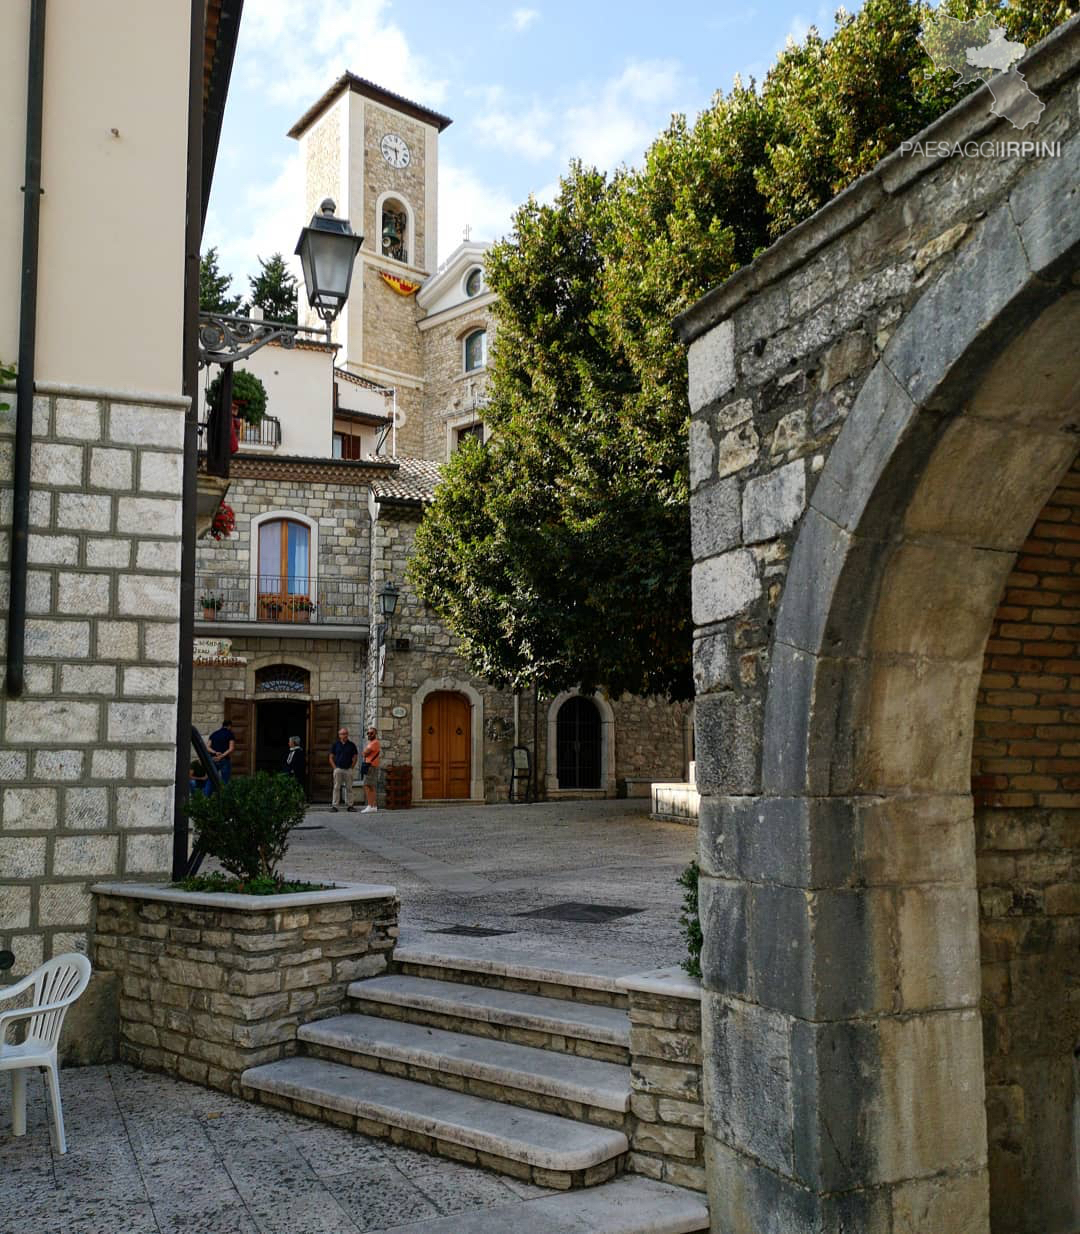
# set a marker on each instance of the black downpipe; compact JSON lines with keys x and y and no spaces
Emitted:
{"x":24,"y":376}
{"x":192,"y":245}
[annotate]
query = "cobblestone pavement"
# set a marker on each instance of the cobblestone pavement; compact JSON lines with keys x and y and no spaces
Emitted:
{"x":152,"y":1155}
{"x":483,"y":865}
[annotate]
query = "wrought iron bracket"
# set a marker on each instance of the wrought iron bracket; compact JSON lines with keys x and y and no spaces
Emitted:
{"x":224,"y":339}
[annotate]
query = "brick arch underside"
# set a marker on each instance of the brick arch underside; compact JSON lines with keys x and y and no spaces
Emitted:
{"x":956,"y":442}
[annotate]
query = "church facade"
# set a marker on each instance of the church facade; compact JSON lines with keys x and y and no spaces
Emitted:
{"x":328,"y":493}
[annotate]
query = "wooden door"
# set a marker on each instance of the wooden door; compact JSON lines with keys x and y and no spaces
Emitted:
{"x":323,"y":733}
{"x":446,"y":747}
{"x":241,"y":717}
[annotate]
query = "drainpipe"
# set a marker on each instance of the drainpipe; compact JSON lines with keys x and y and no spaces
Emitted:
{"x":24,"y":377}
{"x":192,"y":244}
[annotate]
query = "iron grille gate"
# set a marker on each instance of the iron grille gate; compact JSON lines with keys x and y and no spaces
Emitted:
{"x":577,"y":741}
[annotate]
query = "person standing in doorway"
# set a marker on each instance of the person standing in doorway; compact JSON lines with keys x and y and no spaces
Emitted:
{"x":294,"y":763}
{"x":372,"y":752}
{"x":222,"y":743}
{"x":343,"y":759}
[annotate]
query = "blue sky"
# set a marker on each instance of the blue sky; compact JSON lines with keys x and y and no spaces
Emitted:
{"x":529,"y":86}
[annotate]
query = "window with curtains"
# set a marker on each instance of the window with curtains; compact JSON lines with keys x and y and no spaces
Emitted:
{"x":475,"y":350}
{"x":286,"y":588}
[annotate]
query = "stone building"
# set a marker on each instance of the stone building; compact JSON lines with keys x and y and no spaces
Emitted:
{"x":328,"y":493}
{"x":884,"y":492}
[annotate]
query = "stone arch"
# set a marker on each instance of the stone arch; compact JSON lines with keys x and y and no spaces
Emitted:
{"x":957,"y":437}
{"x":396,"y":203}
{"x":454,"y":685}
{"x":607,"y":740}
{"x":310,"y":665}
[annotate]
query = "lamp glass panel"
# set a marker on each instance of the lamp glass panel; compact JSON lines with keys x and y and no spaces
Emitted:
{"x":332,"y":258}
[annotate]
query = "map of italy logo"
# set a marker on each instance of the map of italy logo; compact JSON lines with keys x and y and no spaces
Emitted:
{"x":978,"y":50}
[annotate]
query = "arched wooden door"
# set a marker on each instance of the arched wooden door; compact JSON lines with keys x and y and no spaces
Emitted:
{"x":445,"y":761}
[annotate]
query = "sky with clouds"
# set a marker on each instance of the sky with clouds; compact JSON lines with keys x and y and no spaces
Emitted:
{"x":529,"y":87}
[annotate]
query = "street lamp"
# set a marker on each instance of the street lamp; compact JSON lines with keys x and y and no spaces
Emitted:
{"x":327,"y":249}
{"x":388,"y":598}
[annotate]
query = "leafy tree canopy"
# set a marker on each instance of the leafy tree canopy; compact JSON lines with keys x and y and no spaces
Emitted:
{"x":214,"y":294}
{"x":273,"y":290}
{"x":248,"y":395}
{"x":558,"y":552}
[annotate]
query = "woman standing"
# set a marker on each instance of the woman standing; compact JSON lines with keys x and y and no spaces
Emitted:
{"x":296,"y":763}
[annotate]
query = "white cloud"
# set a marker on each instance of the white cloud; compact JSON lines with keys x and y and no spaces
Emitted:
{"x":465,"y":199}
{"x":268,"y":221}
{"x":522,"y":19}
{"x":617,"y":123}
{"x":293,"y":49}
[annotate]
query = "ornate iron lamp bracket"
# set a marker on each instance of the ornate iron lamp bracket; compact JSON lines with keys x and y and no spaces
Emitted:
{"x":224,"y":339}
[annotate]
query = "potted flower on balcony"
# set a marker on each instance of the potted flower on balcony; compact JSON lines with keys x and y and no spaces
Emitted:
{"x":303,"y":607}
{"x":224,"y":523}
{"x":210,"y":604}
{"x":248,"y":402}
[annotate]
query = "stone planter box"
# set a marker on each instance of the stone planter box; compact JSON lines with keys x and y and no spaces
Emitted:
{"x":667,"y":1139}
{"x":211,"y":984}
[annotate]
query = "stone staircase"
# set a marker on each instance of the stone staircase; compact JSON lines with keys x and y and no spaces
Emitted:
{"x":511,"y":1066}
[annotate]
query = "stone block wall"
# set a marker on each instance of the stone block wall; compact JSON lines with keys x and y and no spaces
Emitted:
{"x":667,"y":1140}
{"x":208,"y":989}
{"x":87,"y":754}
{"x":1025,"y":775}
{"x":451,"y":394}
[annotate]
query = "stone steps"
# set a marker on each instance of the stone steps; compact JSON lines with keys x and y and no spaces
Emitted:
{"x":542,"y":1148}
{"x":626,"y":1205}
{"x":582,"y":1088}
{"x":470,"y":961}
{"x":524,"y":1019}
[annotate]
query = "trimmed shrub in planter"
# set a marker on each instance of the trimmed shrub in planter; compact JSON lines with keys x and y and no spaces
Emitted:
{"x":246,"y":825}
{"x":248,"y":394}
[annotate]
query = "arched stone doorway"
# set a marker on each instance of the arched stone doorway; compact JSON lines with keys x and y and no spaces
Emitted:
{"x":889,"y":436}
{"x":580,"y":745}
{"x":472,"y":703}
{"x":578,"y":740}
{"x":445,"y":765}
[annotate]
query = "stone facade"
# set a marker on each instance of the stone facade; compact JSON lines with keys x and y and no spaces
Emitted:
{"x":208,"y":989}
{"x":453,"y":398}
{"x":87,"y":753}
{"x":409,"y":184}
{"x":882,"y":404}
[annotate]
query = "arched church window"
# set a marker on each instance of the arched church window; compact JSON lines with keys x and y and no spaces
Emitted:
{"x":475,"y":350}
{"x":395,"y":230}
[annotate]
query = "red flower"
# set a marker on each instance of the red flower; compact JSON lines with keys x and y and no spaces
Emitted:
{"x":224,"y":522}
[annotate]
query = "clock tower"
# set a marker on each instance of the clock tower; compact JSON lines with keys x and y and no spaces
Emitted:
{"x":377,"y":155}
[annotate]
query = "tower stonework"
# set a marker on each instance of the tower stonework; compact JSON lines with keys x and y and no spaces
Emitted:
{"x":376,"y":155}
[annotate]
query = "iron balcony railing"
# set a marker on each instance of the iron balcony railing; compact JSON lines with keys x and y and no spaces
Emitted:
{"x":276,"y":599}
{"x":266,"y":433}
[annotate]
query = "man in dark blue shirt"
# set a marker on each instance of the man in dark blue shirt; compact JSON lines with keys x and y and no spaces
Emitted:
{"x":343,"y":757}
{"x":222,"y":744}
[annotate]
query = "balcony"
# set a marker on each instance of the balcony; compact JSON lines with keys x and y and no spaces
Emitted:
{"x":292,"y":606}
{"x":264,"y":435}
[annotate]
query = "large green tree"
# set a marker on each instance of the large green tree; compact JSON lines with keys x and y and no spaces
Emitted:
{"x":214,"y":286}
{"x":273,"y":290}
{"x":558,"y":553}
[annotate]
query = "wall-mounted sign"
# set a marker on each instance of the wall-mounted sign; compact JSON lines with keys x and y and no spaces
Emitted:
{"x":399,"y":713}
{"x":215,"y":651}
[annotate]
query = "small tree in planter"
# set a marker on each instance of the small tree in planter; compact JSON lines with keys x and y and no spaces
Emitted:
{"x":248,"y":396}
{"x":211,"y":602}
{"x":246,"y":827}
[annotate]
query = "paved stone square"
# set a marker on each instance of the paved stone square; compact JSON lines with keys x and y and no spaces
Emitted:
{"x":152,"y":1155}
{"x":484,"y":865}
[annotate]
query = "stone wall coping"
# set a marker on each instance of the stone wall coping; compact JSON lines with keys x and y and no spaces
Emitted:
{"x":672,"y":982}
{"x":343,"y":893}
{"x":104,"y":394}
{"x":1055,"y":59}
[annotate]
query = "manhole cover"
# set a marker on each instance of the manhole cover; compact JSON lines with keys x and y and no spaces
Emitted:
{"x":471,"y":931}
{"x":309,"y":829}
{"x":587,"y":914}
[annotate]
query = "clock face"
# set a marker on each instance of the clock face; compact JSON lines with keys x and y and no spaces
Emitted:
{"x":394,"y":150}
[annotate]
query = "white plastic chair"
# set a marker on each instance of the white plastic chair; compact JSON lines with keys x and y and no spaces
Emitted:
{"x":56,"y":985}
